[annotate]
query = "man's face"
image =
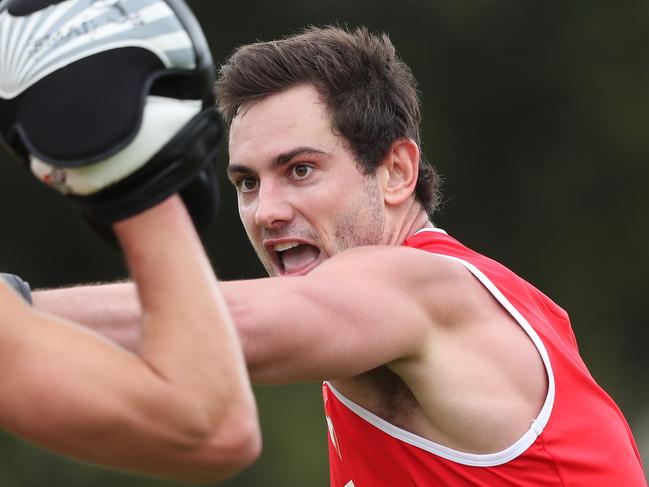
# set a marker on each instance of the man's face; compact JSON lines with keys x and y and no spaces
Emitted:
{"x":301,"y":196}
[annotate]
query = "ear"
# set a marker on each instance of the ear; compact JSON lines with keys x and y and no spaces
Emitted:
{"x":399,"y":171}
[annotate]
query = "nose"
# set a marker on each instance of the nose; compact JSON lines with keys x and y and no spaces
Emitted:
{"x":273,"y":209}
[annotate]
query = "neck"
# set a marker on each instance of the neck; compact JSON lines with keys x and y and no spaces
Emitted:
{"x":411,"y":220}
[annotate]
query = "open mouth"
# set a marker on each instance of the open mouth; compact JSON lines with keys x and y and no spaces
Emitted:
{"x":295,"y":257}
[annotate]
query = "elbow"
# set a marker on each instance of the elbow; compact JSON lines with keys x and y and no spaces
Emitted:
{"x":225,"y":452}
{"x":241,"y":451}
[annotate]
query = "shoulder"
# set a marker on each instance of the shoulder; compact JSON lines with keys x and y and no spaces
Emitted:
{"x":390,"y":258}
{"x":410,"y":281}
{"x":397,"y":266}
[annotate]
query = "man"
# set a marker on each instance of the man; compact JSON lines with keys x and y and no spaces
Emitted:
{"x":440,"y":366}
{"x":181,"y":405}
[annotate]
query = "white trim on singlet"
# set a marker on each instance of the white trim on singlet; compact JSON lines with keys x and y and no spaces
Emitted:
{"x":472,"y":459}
{"x":430,"y":229}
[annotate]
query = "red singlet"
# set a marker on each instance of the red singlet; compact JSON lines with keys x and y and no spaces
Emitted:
{"x":580,"y":437}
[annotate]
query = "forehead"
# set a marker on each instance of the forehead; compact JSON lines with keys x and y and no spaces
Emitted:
{"x":297,"y":117}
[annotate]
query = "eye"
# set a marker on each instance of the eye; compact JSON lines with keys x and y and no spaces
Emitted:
{"x":246,"y":184}
{"x":300,"y":171}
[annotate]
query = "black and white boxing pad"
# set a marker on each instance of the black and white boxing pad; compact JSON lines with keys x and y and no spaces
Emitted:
{"x":111,"y":102}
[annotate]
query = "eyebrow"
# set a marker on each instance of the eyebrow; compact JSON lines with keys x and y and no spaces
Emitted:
{"x":279,"y":161}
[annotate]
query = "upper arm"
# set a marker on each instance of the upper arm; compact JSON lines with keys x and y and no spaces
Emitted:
{"x":363,"y":308}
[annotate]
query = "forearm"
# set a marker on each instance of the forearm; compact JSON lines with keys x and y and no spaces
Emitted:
{"x":184,"y":317}
{"x":112,"y":310}
{"x":188,"y":338}
{"x":181,"y":407}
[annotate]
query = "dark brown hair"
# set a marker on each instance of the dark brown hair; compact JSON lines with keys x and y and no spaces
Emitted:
{"x":370,"y":93}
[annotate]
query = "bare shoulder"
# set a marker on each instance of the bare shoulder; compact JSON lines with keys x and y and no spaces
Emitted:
{"x":474,"y":375}
{"x":417,"y":290}
{"x":432,"y":279}
{"x":365,"y":308}
{"x":382,"y":303}
{"x":450,"y":294}
{"x":406,"y":262}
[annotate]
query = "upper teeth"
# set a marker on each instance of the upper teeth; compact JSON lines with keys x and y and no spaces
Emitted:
{"x":281,"y":247}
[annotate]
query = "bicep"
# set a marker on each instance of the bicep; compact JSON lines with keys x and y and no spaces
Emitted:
{"x":356,"y":312}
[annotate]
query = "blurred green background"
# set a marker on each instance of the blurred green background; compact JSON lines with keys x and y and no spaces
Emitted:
{"x":536,"y":114}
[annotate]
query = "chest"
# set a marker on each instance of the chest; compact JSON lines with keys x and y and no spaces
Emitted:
{"x":385,"y":394}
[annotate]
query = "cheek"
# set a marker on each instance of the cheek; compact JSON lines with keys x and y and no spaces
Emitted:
{"x":247,"y":217}
{"x":326,"y":198}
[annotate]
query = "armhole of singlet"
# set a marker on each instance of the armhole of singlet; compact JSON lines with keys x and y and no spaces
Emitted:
{"x":473,"y":459}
